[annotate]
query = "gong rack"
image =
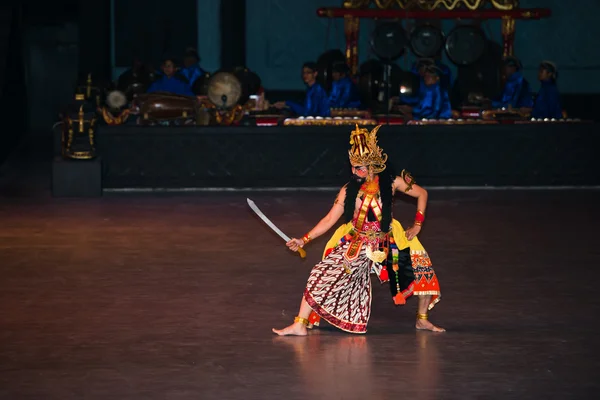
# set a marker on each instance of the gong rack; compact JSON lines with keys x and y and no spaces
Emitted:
{"x":353,"y":11}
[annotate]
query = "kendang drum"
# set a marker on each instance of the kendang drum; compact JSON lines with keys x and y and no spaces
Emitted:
{"x":160,"y":106}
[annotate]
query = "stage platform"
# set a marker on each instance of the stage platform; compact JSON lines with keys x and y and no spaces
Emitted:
{"x":148,"y":158}
{"x":147,"y":296}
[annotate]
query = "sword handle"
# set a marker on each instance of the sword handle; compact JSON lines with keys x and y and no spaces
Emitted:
{"x":302,"y":252}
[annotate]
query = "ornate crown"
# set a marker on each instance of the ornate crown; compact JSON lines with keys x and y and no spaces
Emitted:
{"x":364,"y":150}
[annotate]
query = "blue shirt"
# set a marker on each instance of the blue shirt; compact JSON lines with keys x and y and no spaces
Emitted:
{"x":316,"y":103}
{"x":434,"y":103}
{"x":192,"y":73}
{"x":170,"y":85}
{"x":344,"y":94}
{"x":547,"y":102}
{"x":516,"y":93}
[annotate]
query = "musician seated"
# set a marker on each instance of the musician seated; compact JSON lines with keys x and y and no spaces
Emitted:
{"x":170,"y":81}
{"x":344,"y":93}
{"x":547,"y":102}
{"x":434,"y":102}
{"x":316,"y":103}
{"x":516,"y":92}
{"x":191,"y":67}
{"x":419,"y":67}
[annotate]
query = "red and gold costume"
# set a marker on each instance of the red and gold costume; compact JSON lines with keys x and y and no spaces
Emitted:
{"x":339,"y":287}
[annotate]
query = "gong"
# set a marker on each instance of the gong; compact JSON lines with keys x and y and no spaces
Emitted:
{"x":325,"y":64}
{"x":224,"y":89}
{"x":426,"y":41}
{"x":388,"y":41}
{"x":249,"y":81}
{"x":465,"y":45}
{"x":372,"y":85}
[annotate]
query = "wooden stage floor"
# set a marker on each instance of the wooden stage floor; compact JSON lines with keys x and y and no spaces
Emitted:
{"x":174,"y":297}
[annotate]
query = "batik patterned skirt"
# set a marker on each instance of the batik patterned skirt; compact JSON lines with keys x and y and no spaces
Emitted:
{"x":340,"y":291}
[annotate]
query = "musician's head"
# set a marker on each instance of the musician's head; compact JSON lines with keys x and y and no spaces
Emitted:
{"x":547,"y":71}
{"x":432,"y":75}
{"x":309,"y":73}
{"x":423,"y":64}
{"x":511,"y":65}
{"x":190,"y":57}
{"x":339,"y":70}
{"x":168,"y":66}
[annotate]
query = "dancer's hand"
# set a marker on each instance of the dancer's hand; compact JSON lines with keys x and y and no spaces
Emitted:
{"x":412,"y":232}
{"x":295,"y":244}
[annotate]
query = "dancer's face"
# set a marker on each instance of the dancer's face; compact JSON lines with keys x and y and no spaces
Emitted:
{"x":360,"y":172}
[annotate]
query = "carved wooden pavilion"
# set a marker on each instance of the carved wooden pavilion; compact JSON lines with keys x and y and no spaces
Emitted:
{"x":506,"y":10}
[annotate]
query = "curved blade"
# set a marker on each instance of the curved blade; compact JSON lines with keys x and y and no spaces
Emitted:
{"x":271,"y":225}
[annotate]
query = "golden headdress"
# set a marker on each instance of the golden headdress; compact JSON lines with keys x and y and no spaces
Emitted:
{"x":365,"y":151}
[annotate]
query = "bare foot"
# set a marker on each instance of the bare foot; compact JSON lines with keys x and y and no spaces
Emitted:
{"x":296,"y":329}
{"x":425,"y":325}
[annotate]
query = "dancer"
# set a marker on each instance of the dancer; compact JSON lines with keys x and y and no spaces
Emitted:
{"x":339,"y":287}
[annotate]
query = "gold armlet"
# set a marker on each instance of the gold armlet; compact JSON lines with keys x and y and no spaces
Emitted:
{"x":408,"y":179}
{"x":306,"y":238}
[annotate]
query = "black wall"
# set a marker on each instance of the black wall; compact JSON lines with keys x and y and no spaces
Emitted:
{"x":152,"y":29}
{"x":13,"y":97}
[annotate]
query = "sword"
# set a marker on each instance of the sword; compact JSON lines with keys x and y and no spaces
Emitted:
{"x":271,"y":225}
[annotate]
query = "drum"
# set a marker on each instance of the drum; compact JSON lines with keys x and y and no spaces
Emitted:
{"x":163,"y":106}
{"x":224,"y":90}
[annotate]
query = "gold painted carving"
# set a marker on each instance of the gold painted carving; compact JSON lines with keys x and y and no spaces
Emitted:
{"x":429,"y":5}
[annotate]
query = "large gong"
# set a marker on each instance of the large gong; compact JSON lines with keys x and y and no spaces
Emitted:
{"x":465,"y":45}
{"x":388,"y":41}
{"x":250,"y":83}
{"x":325,"y":64}
{"x":426,"y":41}
{"x":224,"y":89}
{"x":371,"y":84}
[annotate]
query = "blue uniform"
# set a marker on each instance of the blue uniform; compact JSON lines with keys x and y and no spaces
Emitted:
{"x":344,"y":94}
{"x":434,"y":103}
{"x":192,"y":73}
{"x":547,"y":102}
{"x":316,"y":103}
{"x":171,"y":85}
{"x":517,"y":93}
